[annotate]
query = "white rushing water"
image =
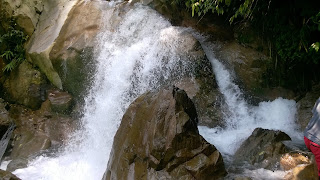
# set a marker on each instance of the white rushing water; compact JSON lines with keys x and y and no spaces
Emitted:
{"x":241,"y":118}
{"x":137,"y":55}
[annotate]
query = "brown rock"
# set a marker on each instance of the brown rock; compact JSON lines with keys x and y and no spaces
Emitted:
{"x":303,"y":172}
{"x":158,"y":135}
{"x":6,"y":175}
{"x":25,"y":86}
{"x":263,"y":148}
{"x":60,"y":101}
{"x":291,"y":160}
{"x":39,"y":130}
{"x":72,"y":53}
{"x":28,"y":143}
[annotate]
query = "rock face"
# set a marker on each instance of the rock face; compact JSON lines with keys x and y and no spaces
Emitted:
{"x":25,"y":86}
{"x":202,"y":87}
{"x":263,"y":148}
{"x":158,"y":138}
{"x":26,"y":13}
{"x":56,"y":48}
{"x":305,"y":106}
{"x":36,"y":132}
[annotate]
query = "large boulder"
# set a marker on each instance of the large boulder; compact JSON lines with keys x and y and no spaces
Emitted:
{"x":263,"y":148}
{"x":158,"y":138}
{"x":26,"y":86}
{"x":61,"y":45}
{"x":48,"y":28}
{"x":72,"y":53}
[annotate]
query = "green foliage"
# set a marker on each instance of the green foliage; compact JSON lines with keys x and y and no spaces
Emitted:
{"x":291,"y":28}
{"x":316,"y":20}
{"x":201,"y":7}
{"x":12,"y":47}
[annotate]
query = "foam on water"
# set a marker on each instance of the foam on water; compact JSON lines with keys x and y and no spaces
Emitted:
{"x":137,"y":55}
{"x":241,"y":118}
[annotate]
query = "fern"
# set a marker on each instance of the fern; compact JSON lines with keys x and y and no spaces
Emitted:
{"x":11,"y":48}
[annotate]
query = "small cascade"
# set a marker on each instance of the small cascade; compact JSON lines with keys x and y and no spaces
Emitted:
{"x":242,"y":118}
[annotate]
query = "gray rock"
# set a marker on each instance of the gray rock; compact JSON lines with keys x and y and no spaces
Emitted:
{"x":305,"y":106}
{"x":263,"y":148}
{"x":18,"y":163}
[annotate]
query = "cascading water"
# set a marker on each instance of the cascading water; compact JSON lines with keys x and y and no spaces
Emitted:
{"x":134,"y":56}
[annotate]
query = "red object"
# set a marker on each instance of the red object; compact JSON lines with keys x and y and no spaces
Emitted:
{"x":315,"y":149}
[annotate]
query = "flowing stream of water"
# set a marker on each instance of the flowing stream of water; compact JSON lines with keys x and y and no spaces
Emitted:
{"x":137,"y":56}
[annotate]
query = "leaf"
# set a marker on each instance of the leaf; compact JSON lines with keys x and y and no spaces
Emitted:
{"x":315,"y":46}
{"x":7,"y":54}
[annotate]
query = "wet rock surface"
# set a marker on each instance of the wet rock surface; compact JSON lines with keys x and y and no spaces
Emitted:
{"x":158,"y":137}
{"x":36,"y":132}
{"x":6,"y":175}
{"x":61,"y":102}
{"x":263,"y":148}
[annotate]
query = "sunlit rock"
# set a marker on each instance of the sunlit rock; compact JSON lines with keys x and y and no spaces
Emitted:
{"x":299,"y":166}
{"x":291,"y":160}
{"x":72,"y":52}
{"x":158,"y":138}
{"x":48,"y":28}
{"x":303,"y":172}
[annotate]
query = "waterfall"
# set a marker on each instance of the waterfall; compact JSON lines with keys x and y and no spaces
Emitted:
{"x":136,"y":55}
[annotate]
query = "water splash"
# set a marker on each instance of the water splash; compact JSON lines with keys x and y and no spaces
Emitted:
{"x":242,"y":118}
